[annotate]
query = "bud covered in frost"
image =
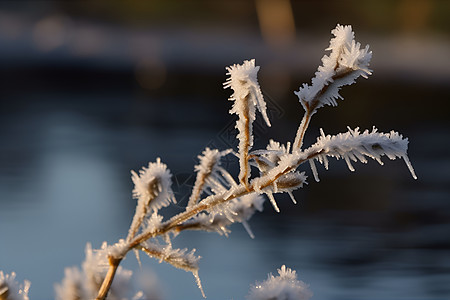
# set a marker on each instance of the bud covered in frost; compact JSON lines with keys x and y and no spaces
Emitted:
{"x":10,"y":289}
{"x":247,"y":97}
{"x":285,"y":286}
{"x":346,"y":62}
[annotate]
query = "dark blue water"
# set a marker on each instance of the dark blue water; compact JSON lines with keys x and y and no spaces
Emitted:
{"x":64,"y":181}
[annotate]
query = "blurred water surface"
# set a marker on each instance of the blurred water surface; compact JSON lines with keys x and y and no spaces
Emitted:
{"x":86,"y":96}
{"x":65,"y":181}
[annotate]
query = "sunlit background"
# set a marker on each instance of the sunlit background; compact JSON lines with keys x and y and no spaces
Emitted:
{"x":92,"y":89}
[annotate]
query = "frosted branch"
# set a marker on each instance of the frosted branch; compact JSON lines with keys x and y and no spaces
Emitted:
{"x":355,"y":146}
{"x":218,"y":200}
{"x":218,"y":219}
{"x":210,"y":175}
{"x":85,"y":284}
{"x":152,"y":189}
{"x":179,"y":258}
{"x":346,"y":62}
{"x":247,"y":97}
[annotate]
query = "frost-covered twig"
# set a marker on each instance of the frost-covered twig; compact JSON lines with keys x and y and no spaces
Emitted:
{"x":218,"y":200}
{"x":225,"y":201}
{"x":152,"y":189}
{"x":346,"y":62}
{"x":247,"y":97}
{"x":356,"y":146}
{"x":211,"y":177}
{"x":95,"y":270}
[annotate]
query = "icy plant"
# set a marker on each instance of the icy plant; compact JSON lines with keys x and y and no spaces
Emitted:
{"x":218,"y":198}
{"x":10,"y":289}
{"x":285,"y":286}
{"x":85,"y":283}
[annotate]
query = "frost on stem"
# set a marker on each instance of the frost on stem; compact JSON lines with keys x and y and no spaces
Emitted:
{"x":346,"y":62}
{"x":247,"y":97}
{"x":218,"y":200}
{"x":278,"y":181}
{"x":179,"y":258}
{"x":267,"y":161}
{"x":84,"y":284}
{"x":220,"y":217}
{"x":285,"y":286}
{"x":356,"y":146}
{"x":10,"y":289}
{"x":211,"y":177}
{"x":152,"y":189}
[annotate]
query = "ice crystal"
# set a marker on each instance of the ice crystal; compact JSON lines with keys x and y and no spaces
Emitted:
{"x":84,"y":284}
{"x":179,"y":258}
{"x":243,"y":80}
{"x":152,"y":189}
{"x":211,"y":177}
{"x":238,"y":210}
{"x":285,"y":286}
{"x":286,"y":183}
{"x":265,"y":160}
{"x":356,"y":146}
{"x":346,"y":62}
{"x":247,"y":97}
{"x":10,"y":289}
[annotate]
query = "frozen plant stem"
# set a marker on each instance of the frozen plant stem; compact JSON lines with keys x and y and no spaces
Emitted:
{"x":311,"y":107}
{"x":106,"y":285}
{"x":223,"y":202}
{"x":218,"y":199}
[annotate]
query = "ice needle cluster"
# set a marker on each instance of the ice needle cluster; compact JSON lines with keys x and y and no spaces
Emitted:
{"x":220,"y":198}
{"x":247,"y":98}
{"x":84,"y":284}
{"x":346,"y":62}
{"x":285,"y":286}
{"x":10,"y":289}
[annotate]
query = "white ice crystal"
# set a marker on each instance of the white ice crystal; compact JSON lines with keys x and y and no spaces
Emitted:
{"x":211,"y":177}
{"x":285,"y":286}
{"x":152,"y":189}
{"x":179,"y":258}
{"x":356,"y":146}
{"x":247,"y":97}
{"x":346,"y":62}
{"x":10,"y":289}
{"x":85,"y":284}
{"x":72,"y":286}
{"x":152,"y":185}
{"x":269,"y":158}
{"x":286,"y":183}
{"x":244,"y":81}
{"x":220,"y":217}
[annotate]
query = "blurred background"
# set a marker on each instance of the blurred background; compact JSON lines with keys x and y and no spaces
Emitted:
{"x":92,"y":89}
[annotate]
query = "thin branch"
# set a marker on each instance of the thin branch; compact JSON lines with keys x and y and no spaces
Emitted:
{"x":175,"y":223}
{"x":245,"y":143}
{"x":142,"y":208}
{"x":298,"y":142}
{"x":315,"y":103}
{"x":106,"y":285}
